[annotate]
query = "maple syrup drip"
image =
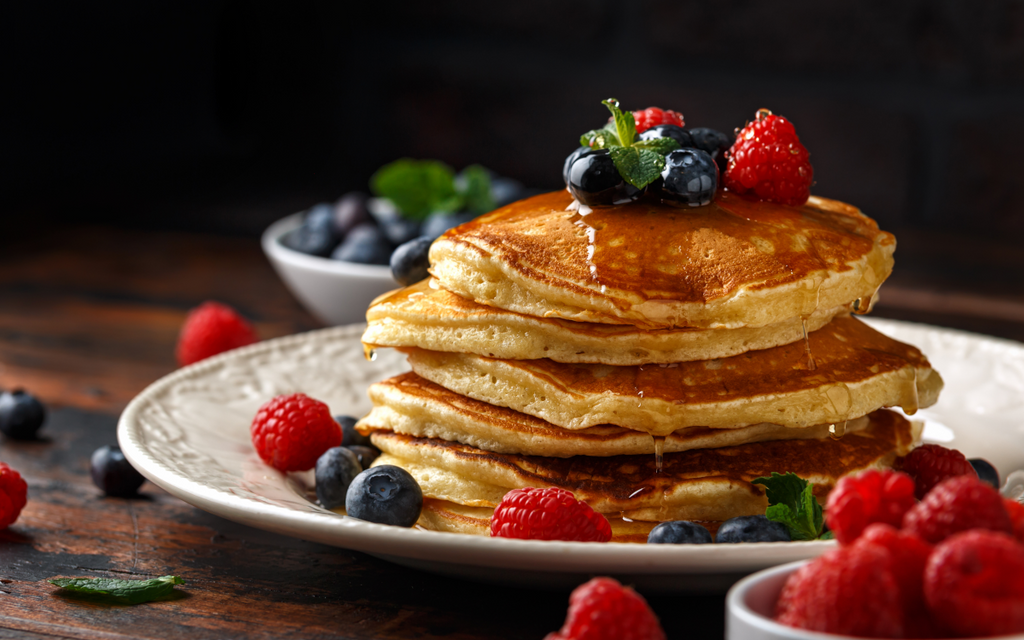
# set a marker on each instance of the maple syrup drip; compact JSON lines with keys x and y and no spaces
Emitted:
{"x":863,"y":305}
{"x":811,"y":365}
{"x":659,"y":453}
{"x":369,"y":353}
{"x":838,"y":430}
{"x":641,"y":491}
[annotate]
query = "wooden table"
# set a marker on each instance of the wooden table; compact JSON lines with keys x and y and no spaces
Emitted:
{"x":89,"y":317}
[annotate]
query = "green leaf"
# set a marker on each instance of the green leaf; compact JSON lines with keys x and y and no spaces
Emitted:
{"x":602,"y":138}
{"x":417,"y":187}
{"x":121,"y":591}
{"x":476,"y":189}
{"x":791,"y":502}
{"x":638,"y":166}
{"x":659,"y":145}
{"x":625,"y":125}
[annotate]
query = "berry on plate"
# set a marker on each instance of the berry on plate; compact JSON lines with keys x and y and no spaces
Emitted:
{"x":690,"y":178}
{"x":974,"y":584}
{"x":956,"y":505}
{"x":1016,"y":512}
{"x":290,"y":432}
{"x":769,"y":162}
{"x":385,"y":495}
{"x":930,"y":464}
{"x":548,"y":514}
{"x":335,"y":471}
{"x":986,"y":471}
{"x":13,"y":495}
{"x":602,"y":609}
{"x":21,"y":414}
{"x":867,"y":497}
{"x":679,"y":532}
{"x":752,"y":529}
{"x":349,"y":435}
{"x":112,"y":472}
{"x":595,"y":181}
{"x":212,"y":328}
{"x":653,"y":116}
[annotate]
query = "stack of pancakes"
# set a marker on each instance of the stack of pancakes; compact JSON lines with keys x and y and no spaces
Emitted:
{"x":650,"y":359}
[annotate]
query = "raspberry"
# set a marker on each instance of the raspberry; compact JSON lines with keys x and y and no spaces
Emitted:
{"x":767,"y":160}
{"x":974,"y":584}
{"x":653,"y":116}
{"x":1016,"y":512}
{"x":548,"y":514}
{"x":908,"y":555}
{"x":209,"y":329}
{"x":867,"y":497}
{"x":956,"y":505}
{"x":13,"y":494}
{"x":603,"y":609}
{"x":291,"y":432}
{"x":930,"y":464}
{"x":849,"y":591}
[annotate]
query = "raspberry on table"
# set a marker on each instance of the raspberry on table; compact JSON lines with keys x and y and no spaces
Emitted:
{"x":548,"y":514}
{"x":848,"y":591}
{"x":974,"y":584}
{"x":955,"y":505}
{"x":602,"y":609}
{"x":867,"y":497}
{"x":13,"y":495}
{"x":930,"y":464}
{"x":212,"y":328}
{"x":653,"y":116}
{"x":769,"y":162}
{"x":1016,"y":512}
{"x":290,"y":432}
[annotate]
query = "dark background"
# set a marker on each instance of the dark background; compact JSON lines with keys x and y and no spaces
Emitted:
{"x":223,"y":116}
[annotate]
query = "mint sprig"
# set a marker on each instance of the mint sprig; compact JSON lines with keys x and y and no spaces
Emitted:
{"x":639,"y":162}
{"x":791,"y":502}
{"x":418,"y":188}
{"x":121,"y":591}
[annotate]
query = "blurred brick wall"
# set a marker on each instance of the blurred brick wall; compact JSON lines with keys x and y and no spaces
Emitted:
{"x":911,"y":110}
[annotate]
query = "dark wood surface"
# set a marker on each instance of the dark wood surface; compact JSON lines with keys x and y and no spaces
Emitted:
{"x":89,"y":317}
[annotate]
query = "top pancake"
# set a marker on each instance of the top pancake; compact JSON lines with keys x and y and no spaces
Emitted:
{"x":733,"y":263}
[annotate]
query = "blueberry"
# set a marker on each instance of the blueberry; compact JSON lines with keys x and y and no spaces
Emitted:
{"x":386,"y":495}
{"x":410,"y":260}
{"x":986,"y":472}
{"x":112,"y":472}
{"x":674,"y":131}
{"x":594,"y":181}
{"x":316,"y":236}
{"x":714,"y":142}
{"x":365,"y":244}
{"x":335,"y":471}
{"x":752,"y":529}
{"x":349,"y":211}
{"x":690,"y":177}
{"x":349,"y":435}
{"x":438,"y":223}
{"x":679,"y":532}
{"x":395,"y":227}
{"x":573,"y":157}
{"x":21,"y":414}
{"x":366,"y":454}
{"x":505,"y":191}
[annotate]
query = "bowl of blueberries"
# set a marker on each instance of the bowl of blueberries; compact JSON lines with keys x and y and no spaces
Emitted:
{"x":337,"y":257}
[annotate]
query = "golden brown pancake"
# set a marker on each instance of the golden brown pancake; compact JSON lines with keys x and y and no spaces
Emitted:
{"x":438,"y":320}
{"x":733,"y":263}
{"x":411,"y":405}
{"x":701,"y":484}
{"x":857,"y":371}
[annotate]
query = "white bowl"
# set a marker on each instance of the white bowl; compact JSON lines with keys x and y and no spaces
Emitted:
{"x":334,"y":291}
{"x":750,"y":604}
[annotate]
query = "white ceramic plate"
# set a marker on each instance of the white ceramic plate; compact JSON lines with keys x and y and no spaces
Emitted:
{"x":189,"y":433}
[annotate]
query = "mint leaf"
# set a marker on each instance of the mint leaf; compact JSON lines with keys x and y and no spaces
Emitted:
{"x":602,"y":138}
{"x":791,"y":502}
{"x":659,"y":145}
{"x":474,"y":185}
{"x":625,"y":124}
{"x":638,"y":166}
{"x":417,"y":187}
{"x":121,"y":591}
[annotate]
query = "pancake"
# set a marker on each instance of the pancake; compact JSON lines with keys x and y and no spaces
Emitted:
{"x":438,"y":320}
{"x":411,"y":405}
{"x":857,"y":371}
{"x":701,"y":484}
{"x":734,"y":263}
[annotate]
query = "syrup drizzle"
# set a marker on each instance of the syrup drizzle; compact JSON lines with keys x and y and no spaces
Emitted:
{"x":838,"y":430}
{"x":369,"y":353}
{"x":659,"y":453}
{"x":811,"y":364}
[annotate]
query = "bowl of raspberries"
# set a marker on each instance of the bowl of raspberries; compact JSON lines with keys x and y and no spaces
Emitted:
{"x":922,"y":553}
{"x":337,"y":257}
